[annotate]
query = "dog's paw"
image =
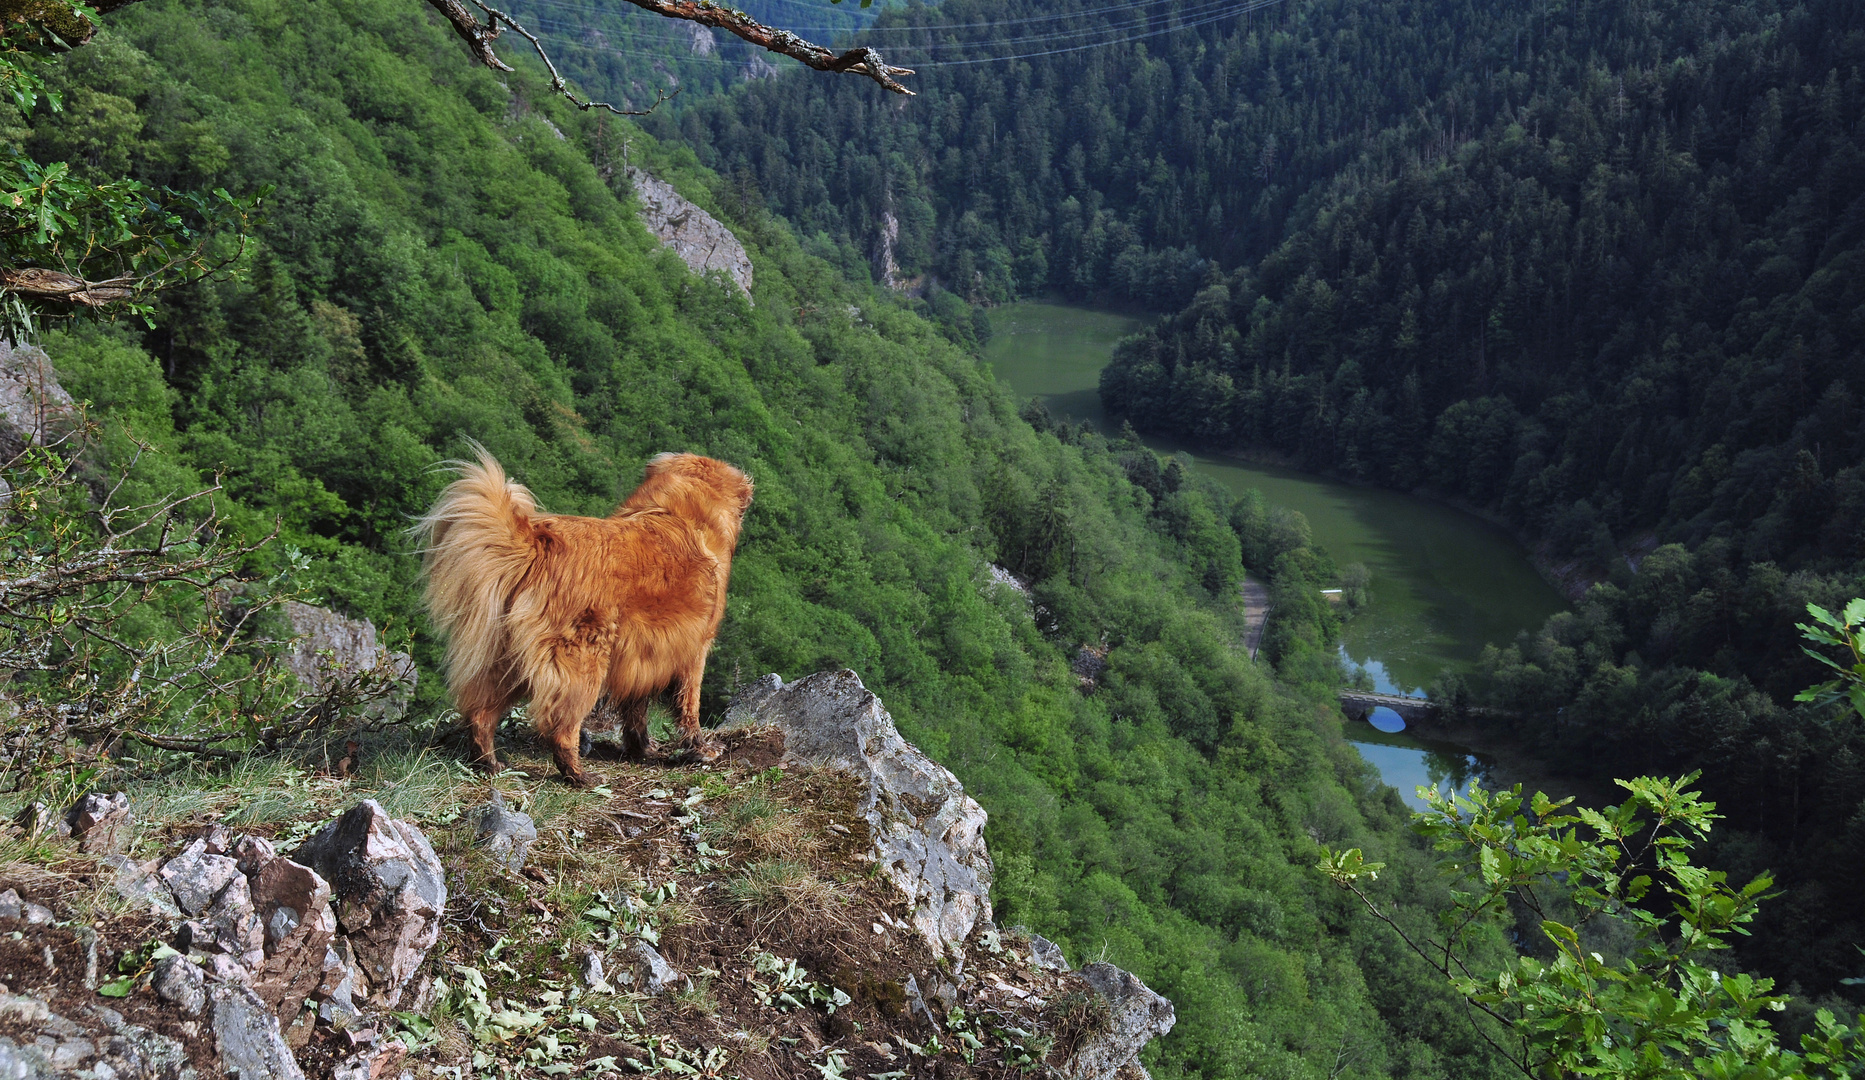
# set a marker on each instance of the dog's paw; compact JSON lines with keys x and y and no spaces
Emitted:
{"x":584,"y":779}
{"x":704,"y":748}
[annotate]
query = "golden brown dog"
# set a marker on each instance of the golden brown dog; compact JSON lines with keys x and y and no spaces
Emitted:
{"x":562,"y":609}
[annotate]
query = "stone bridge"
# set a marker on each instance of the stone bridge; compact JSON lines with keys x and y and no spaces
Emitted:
{"x":1360,"y":702}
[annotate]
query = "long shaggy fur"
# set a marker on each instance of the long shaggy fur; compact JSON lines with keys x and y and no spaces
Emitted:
{"x":561,"y":609}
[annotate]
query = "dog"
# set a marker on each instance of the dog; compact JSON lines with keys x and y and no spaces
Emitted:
{"x":562,"y":610}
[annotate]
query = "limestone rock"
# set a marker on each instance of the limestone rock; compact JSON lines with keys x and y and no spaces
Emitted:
{"x":653,"y":974}
{"x":334,"y":1004}
{"x":101,"y":824}
{"x":251,"y":1045}
{"x":292,"y":904}
{"x":505,"y":834}
{"x":1047,"y":954}
{"x":694,"y":235}
{"x":178,"y":981}
{"x":230,"y":926}
{"x":33,"y":407}
{"x":141,"y":883}
{"x":590,"y":967}
{"x":251,"y":854}
{"x":390,"y":891}
{"x":10,"y":904}
{"x":928,"y":834}
{"x":196,"y":877}
{"x":1137,"y":1016}
{"x":23,"y":1062}
{"x":328,"y":648}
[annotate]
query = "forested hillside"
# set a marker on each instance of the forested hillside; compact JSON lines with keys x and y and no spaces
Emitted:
{"x":1594,"y":268}
{"x":1620,"y":309}
{"x":448,"y":255}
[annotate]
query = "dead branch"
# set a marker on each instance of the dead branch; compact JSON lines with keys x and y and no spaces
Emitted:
{"x":42,"y":284}
{"x":494,"y":17}
{"x":863,"y":60}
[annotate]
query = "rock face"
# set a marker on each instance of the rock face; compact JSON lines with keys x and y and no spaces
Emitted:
{"x":33,"y":407}
{"x":329,"y":648}
{"x":694,"y":235}
{"x":928,"y":834}
{"x":390,"y":893}
{"x":1137,"y":1016}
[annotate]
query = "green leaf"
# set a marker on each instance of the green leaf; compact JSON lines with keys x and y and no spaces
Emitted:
{"x":118,"y":988}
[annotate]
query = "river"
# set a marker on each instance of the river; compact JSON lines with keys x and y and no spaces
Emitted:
{"x":1444,"y":583}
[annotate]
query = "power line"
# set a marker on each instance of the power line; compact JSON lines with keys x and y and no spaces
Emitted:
{"x":1240,"y":9}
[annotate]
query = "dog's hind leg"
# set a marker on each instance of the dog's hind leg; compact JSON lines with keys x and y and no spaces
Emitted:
{"x":559,"y":713}
{"x":636,"y":742}
{"x":482,"y":702}
{"x":703,"y":744}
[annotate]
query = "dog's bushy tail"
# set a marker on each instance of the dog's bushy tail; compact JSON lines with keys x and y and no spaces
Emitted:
{"x":476,"y":545}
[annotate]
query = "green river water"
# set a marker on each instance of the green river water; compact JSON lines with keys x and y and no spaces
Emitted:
{"x":1444,"y":583}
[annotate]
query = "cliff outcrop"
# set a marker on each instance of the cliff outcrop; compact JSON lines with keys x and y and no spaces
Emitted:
{"x":701,"y":241}
{"x":816,"y":903}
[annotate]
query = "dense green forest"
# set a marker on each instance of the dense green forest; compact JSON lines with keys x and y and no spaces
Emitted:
{"x":1592,"y":268}
{"x":1621,"y":309}
{"x":446,"y":255}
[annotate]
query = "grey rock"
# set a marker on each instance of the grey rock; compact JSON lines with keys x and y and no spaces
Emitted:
{"x":23,"y":1062}
{"x":1136,"y":1017}
{"x":1047,"y":954}
{"x":136,"y":1053}
{"x":29,"y":1011}
{"x":219,"y":839}
{"x":329,"y":649}
{"x":141,"y":883}
{"x":197,"y":878}
{"x":928,"y":834}
{"x":60,"y":1027}
{"x":87,"y":941}
{"x":251,"y":1045}
{"x":252,"y":853}
{"x":33,"y":407}
{"x":590,"y":968}
{"x":11,"y":906}
{"x":101,"y":824}
{"x":653,"y":974}
{"x":335,"y":1006}
{"x":72,"y":1053}
{"x":504,"y":833}
{"x":178,"y":981}
{"x":697,"y":237}
{"x":293,"y":903}
{"x":36,"y":914}
{"x":390,"y":891}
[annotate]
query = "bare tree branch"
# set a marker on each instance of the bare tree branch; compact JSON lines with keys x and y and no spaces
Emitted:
{"x":863,"y":60}
{"x":494,"y":17}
